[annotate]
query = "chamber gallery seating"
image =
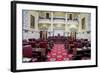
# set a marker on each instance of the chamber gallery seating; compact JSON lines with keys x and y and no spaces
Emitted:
{"x":50,"y":43}
{"x":82,"y":50}
{"x":57,"y":39}
{"x":31,"y":55}
{"x":42,"y":53}
{"x":37,"y":49}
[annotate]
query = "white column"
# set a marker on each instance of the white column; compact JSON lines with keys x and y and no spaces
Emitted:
{"x":37,"y":20}
{"x":51,"y":21}
{"x":79,"y":22}
{"x":66,"y":29}
{"x":86,"y":23}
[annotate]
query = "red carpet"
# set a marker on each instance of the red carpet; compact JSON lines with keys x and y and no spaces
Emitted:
{"x":58,"y":53}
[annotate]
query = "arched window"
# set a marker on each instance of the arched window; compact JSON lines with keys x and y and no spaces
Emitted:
{"x":83,"y":23}
{"x":32,"y":21}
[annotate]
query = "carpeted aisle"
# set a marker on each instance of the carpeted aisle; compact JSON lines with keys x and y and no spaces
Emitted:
{"x":58,"y":53}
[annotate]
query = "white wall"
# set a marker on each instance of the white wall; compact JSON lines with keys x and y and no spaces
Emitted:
{"x":86,"y":16}
{"x":31,"y":34}
{"x":5,"y":37}
{"x":26,"y":25}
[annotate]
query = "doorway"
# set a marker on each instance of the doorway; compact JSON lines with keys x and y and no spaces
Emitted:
{"x":43,"y":35}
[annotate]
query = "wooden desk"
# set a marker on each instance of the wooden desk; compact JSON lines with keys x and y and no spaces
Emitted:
{"x":41,"y":50}
{"x":72,"y":46}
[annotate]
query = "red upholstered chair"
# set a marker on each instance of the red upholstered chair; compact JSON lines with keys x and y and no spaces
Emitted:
{"x":27,"y":51}
{"x":43,"y":44}
{"x":39,"y":40}
{"x":88,"y":45}
{"x":25,"y":42}
{"x":85,"y":39}
{"x":31,"y":39}
{"x":32,"y":43}
{"x":79,"y":45}
{"x":66,"y":45}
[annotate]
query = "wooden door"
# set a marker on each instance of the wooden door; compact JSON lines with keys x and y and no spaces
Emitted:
{"x":43,"y":35}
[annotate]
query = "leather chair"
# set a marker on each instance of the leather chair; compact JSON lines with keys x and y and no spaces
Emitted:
{"x":32,"y":43}
{"x":27,"y":51}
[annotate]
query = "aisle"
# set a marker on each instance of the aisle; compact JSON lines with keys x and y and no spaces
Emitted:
{"x":58,"y":53}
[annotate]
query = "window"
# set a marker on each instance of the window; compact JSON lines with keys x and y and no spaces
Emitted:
{"x":70,"y":16}
{"x":47,"y":15}
{"x":32,"y":22}
{"x":83,"y":23}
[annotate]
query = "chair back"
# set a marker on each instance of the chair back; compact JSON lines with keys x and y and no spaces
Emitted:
{"x":27,"y":51}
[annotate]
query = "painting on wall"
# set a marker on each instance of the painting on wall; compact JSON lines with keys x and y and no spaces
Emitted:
{"x":57,"y":36}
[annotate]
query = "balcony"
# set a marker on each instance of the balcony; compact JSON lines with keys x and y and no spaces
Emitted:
{"x":73,"y":21}
{"x":59,"y":19}
{"x":44,"y":20}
